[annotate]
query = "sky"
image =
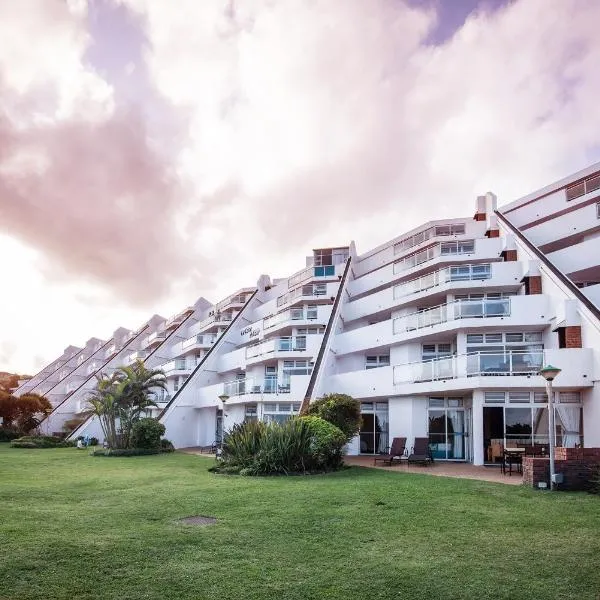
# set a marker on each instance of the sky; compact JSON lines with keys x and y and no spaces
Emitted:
{"x":152,"y":152}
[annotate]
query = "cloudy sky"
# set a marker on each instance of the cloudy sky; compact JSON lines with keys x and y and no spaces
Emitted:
{"x":154,"y":151}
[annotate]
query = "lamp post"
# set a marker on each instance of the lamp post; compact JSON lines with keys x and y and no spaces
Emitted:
{"x":549,"y":373}
{"x":223,"y":398}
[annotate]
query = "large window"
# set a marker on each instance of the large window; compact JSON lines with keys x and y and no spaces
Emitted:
{"x":458,"y":247}
{"x":297,"y":367}
{"x":588,"y":185}
{"x":446,"y":420}
{"x":514,"y":418}
{"x":374,"y":429}
{"x":279,"y":412}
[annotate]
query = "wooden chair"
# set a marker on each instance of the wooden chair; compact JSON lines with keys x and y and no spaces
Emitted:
{"x":420,"y":452}
{"x":397,"y":452}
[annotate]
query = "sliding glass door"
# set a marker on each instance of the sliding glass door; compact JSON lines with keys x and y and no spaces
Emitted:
{"x":374,"y":431}
{"x":447,"y":428}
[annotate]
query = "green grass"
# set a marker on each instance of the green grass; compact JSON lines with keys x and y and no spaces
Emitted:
{"x":77,"y":527}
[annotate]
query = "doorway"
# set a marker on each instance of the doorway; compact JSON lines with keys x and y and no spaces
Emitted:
{"x":374,"y":430}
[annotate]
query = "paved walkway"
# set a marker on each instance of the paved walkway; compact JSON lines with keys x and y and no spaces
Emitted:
{"x":441,"y":469}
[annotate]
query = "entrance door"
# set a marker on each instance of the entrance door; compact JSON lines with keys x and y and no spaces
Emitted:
{"x":374,"y":428}
{"x":447,"y":429}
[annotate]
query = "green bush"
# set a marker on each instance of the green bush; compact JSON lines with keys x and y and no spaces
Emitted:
{"x":146,"y":433}
{"x":40,"y":441}
{"x":242,"y":443}
{"x":166,"y":446}
{"x":8,"y":434}
{"x":125,"y":451}
{"x":284,"y":449}
{"x":326,"y":444}
{"x":341,"y":410}
{"x":93,"y":441}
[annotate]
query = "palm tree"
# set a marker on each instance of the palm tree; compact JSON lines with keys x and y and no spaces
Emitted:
{"x":120,"y":399}
{"x":138,"y":388}
{"x":104,"y":401}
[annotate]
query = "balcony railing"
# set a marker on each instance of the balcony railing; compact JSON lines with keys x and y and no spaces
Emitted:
{"x":283,"y":344}
{"x":238,"y":299}
{"x":250,"y":385}
{"x":293,"y":314}
{"x":200,"y":340}
{"x":110,"y":351}
{"x":475,"y":364}
{"x":449,"y":274}
{"x":461,"y":309}
{"x":426,"y":234}
{"x":304,"y":291}
{"x":176,"y":365}
{"x":454,"y":248}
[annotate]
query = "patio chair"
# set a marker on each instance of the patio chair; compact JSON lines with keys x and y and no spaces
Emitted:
{"x":396,"y":452}
{"x":420,"y":452}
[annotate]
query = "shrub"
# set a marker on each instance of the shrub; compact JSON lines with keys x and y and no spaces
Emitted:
{"x":125,"y":452}
{"x":339,"y":409}
{"x":242,"y":443}
{"x":146,"y":433}
{"x":93,"y":441}
{"x":7,"y":434}
{"x":166,"y":446}
{"x":326,"y":444}
{"x":40,"y":441}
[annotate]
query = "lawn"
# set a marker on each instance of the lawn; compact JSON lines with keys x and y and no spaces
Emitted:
{"x":77,"y":527}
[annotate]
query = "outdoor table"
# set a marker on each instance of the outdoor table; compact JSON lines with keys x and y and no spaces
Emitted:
{"x":511,"y":453}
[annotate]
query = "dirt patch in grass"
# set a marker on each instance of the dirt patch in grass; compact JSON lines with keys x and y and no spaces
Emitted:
{"x":199,"y":520}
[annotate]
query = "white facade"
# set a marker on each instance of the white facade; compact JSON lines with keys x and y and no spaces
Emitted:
{"x":439,"y":333}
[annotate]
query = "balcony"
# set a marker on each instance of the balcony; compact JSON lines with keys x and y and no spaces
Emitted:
{"x":110,"y":351}
{"x":72,"y":386}
{"x":293,"y":315}
{"x":454,"y":248}
{"x":175,"y":321}
{"x":91,"y":368}
{"x":177,"y":367}
{"x":466,"y":272}
{"x":451,"y":229}
{"x":250,"y":385}
{"x":510,"y":363}
{"x":154,"y":339}
{"x":461,"y":309}
{"x":308,"y":291}
{"x":199,"y":341}
{"x":283,"y":344}
{"x":237,"y":300}
{"x":137,"y":355}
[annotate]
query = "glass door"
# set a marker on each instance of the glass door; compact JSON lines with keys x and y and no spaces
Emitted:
{"x":374,"y":431}
{"x":447,"y":428}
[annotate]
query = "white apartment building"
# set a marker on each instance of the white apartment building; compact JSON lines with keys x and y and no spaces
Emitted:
{"x":563,"y":221}
{"x":439,"y":333}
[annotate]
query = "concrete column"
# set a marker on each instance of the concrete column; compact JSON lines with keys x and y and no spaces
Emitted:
{"x":477,"y":433}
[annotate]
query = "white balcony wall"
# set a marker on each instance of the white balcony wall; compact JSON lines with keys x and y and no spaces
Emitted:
{"x":576,"y":222}
{"x":503,"y":274}
{"x":577,"y":257}
{"x":485,"y":248}
{"x":525,"y":311}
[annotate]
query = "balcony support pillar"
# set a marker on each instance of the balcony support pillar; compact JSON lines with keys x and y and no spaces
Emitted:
{"x":477,"y":428}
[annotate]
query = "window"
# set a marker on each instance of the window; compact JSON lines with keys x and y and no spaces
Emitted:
{"x":588,"y":185}
{"x":279,"y":412}
{"x":431,"y":351}
{"x":311,"y":312}
{"x":460,"y":247}
{"x":374,"y":362}
{"x":310,"y":330}
{"x":251,"y":412}
{"x":598,"y":210}
{"x":297,"y":367}
{"x":327,"y":271}
{"x":569,"y":397}
{"x":518,"y":397}
{"x":494,"y":397}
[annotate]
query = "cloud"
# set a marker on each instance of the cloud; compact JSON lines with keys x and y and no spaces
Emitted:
{"x":265,"y":128}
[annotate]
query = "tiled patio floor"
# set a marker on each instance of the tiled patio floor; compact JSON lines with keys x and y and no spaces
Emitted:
{"x":441,"y":469}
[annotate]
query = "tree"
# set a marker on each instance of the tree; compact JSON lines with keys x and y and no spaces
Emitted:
{"x":341,"y":410}
{"x":122,"y":398}
{"x":23,"y":412}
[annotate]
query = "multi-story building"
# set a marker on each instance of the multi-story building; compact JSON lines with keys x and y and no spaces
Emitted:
{"x":563,"y":221}
{"x":440,"y":332}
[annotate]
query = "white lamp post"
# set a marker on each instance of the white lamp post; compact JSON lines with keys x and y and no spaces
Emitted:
{"x":549,"y":373}
{"x":223,"y":398}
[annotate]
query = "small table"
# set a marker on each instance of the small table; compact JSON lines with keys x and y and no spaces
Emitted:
{"x":509,"y":456}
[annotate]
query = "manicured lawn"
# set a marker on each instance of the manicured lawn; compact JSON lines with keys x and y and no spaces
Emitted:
{"x":77,"y":527}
